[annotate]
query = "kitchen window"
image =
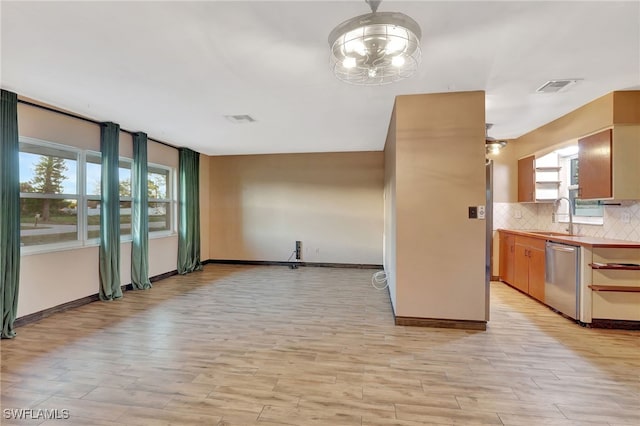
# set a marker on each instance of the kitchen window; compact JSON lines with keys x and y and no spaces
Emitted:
{"x":581,"y":208}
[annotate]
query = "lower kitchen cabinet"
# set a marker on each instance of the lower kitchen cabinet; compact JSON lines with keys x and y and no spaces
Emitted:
{"x":536,"y":274}
{"x":528,"y":265}
{"x":507,"y":257}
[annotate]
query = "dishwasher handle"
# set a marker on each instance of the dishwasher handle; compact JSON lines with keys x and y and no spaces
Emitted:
{"x":560,"y":248}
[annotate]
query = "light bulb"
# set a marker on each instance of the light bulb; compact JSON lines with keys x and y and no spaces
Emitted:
{"x":349,"y":62}
{"x":373,"y":72}
{"x":494,"y":148}
{"x":397,"y":61}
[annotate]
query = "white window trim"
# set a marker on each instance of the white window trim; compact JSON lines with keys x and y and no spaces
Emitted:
{"x":583,"y":220}
{"x":66,"y":245}
{"x":82,"y":198}
{"x":171,"y":200}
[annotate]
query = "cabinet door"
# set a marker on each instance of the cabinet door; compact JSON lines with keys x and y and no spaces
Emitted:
{"x":594,"y":166}
{"x":536,"y":274}
{"x":507,"y":255}
{"x":521,"y":276}
{"x":526,"y":179}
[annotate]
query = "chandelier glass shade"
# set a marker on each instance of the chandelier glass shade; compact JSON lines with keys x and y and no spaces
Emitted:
{"x":376,"y":48}
{"x":492,"y":145}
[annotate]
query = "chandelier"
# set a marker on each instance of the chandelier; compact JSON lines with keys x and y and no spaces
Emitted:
{"x":376,"y":48}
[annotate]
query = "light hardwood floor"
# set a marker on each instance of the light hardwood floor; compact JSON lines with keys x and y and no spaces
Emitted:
{"x":242,"y":345}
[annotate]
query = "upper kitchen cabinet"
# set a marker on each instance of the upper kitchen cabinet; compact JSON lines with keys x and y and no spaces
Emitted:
{"x":526,"y":180}
{"x":610,"y":164}
{"x":594,"y":174}
{"x":538,"y":179}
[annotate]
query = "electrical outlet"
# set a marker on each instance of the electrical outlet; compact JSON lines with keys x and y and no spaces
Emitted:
{"x":626,"y":217}
{"x":517,"y":214}
{"x":481,"y":212}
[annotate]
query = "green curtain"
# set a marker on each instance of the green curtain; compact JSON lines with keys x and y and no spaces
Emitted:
{"x":140,"y":214}
{"x":9,"y":211}
{"x":189,"y":218}
{"x":110,"y":213}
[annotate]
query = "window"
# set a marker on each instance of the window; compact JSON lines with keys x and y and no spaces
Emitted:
{"x":49,"y":194}
{"x":161,"y":203}
{"x":124,"y":173}
{"x":60,"y":197}
{"x":581,"y":208}
{"x":93,"y":178}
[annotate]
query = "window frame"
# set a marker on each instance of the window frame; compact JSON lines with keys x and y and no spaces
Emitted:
{"x":82,"y":197}
{"x":171,"y":200}
{"x":77,"y":153}
{"x":573,"y":186}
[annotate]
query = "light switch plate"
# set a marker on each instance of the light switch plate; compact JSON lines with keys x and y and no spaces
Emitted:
{"x":481,"y":212}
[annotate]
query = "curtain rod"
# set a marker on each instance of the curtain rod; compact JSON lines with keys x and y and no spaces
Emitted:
{"x":88,"y":120}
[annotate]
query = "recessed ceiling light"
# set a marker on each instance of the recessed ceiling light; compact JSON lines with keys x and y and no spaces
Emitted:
{"x":554,"y":86}
{"x":240,"y":119}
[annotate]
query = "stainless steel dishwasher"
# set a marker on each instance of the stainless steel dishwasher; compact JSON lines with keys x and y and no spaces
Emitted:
{"x":562,"y":278}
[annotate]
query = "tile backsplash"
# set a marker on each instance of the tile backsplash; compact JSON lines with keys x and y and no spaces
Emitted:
{"x":620,"y":222}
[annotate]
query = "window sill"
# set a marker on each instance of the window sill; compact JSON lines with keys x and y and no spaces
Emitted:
{"x":52,"y":248}
{"x":78,"y":245}
{"x":583,"y":220}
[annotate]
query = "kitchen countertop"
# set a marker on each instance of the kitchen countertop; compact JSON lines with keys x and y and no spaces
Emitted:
{"x":575,"y":240}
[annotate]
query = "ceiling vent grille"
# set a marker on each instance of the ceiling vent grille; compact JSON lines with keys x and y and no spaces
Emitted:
{"x":240,"y":119}
{"x":554,"y":86}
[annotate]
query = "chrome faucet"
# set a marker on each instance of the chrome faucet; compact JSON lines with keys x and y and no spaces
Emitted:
{"x":556,"y":203}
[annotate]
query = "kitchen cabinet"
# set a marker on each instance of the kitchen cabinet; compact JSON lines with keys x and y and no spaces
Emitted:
{"x":507,"y":257}
{"x":538,"y":178}
{"x":594,"y":159}
{"x":614,"y":281}
{"x":529,"y":266}
{"x":526,"y":180}
{"x":609,"y":164}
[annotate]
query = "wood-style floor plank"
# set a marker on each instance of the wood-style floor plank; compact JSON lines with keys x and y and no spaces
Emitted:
{"x":249,"y":345}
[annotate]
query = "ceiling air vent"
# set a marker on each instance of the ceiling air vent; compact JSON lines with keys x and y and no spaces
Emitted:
{"x":240,"y":119}
{"x":554,"y":86}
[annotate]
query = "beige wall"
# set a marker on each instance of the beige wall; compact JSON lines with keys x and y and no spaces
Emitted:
{"x":439,"y":172}
{"x":205,"y":198}
{"x":389,"y":208}
{"x":261,"y":204}
{"x":54,"y":278}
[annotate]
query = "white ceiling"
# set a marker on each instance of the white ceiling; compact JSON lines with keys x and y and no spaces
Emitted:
{"x":175,"y":69}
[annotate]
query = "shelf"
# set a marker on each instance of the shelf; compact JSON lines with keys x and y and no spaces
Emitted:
{"x":555,"y":182}
{"x":622,"y":288}
{"x":548,"y":169}
{"x":616,"y":266}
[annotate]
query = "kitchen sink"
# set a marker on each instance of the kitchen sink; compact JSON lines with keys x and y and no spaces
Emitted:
{"x":549,"y":233}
